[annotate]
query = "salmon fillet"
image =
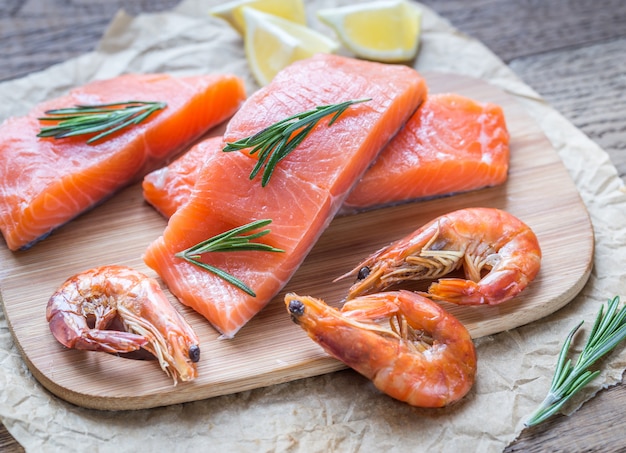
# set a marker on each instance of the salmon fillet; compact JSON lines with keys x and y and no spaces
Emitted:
{"x":304,"y":193}
{"x":452,"y":144}
{"x":45,"y":182}
{"x":169,"y":187}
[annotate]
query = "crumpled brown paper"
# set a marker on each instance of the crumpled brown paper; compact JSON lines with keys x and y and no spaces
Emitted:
{"x":339,"y":411}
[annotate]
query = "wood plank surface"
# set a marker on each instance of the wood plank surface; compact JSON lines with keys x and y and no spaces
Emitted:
{"x":270,"y":349}
{"x":518,"y":29}
{"x":590,"y":93}
{"x":531,"y":36}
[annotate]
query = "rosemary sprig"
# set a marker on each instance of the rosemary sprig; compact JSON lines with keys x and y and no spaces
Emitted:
{"x":103,"y":118}
{"x":275,"y":142}
{"x":237,"y":239}
{"x":608,"y":330}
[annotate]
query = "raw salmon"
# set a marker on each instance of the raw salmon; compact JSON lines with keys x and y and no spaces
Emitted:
{"x":45,"y":182}
{"x":169,"y":187}
{"x":451,"y":144}
{"x":304,"y":193}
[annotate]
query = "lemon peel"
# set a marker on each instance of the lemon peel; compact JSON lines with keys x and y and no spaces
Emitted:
{"x":273,"y":43}
{"x":231,"y":12}
{"x":386,"y":30}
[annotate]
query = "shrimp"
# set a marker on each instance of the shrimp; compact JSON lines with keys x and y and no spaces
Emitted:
{"x":498,"y":252}
{"x":425,"y":357}
{"x":88,"y":303}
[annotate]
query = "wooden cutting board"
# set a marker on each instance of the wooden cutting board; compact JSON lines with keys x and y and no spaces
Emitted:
{"x":271,"y":349}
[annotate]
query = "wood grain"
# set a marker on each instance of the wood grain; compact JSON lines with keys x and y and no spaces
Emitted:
{"x":7,"y":443}
{"x":517,"y":29}
{"x":598,"y":426}
{"x":270,"y":349}
{"x":576,"y":93}
{"x":530,"y":35}
{"x":36,"y":34}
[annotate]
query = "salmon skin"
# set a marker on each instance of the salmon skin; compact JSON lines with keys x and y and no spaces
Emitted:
{"x":304,"y":193}
{"x":452,"y":144}
{"x":45,"y":182}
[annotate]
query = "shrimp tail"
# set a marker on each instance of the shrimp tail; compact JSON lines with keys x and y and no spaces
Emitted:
{"x":496,"y":288}
{"x":457,"y":291}
{"x":111,"y":341}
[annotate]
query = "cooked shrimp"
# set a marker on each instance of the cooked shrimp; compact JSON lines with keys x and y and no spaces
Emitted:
{"x":498,"y":252}
{"x":82,"y":309}
{"x":424,"y":357}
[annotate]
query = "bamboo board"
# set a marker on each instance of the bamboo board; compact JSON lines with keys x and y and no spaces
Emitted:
{"x":271,"y":349}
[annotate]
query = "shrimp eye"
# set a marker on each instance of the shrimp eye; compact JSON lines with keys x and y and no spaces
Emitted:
{"x":296,"y":308}
{"x":194,"y":353}
{"x":363,"y":273}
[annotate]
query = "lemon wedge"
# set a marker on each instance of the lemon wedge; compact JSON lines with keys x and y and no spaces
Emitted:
{"x":292,"y":10}
{"x":273,"y":43}
{"x":387,"y":31}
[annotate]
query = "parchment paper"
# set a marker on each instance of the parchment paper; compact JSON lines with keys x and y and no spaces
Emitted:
{"x":340,"y":411}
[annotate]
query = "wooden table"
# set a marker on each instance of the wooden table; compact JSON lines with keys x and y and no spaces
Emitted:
{"x":573,"y":52}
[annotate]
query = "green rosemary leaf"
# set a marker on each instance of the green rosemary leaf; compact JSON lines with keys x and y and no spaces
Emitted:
{"x":103,"y":119}
{"x":224,"y":276}
{"x":236,"y":239}
{"x":609,"y":329}
{"x":275,"y":142}
{"x":564,"y":365}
